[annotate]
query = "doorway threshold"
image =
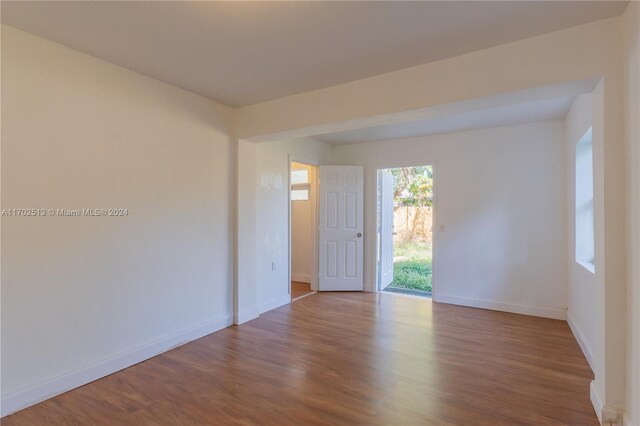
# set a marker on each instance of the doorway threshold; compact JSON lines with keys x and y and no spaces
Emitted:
{"x":407,"y":291}
{"x":303,"y":296}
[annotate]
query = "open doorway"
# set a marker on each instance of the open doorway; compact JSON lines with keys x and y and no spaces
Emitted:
{"x":303,"y":229}
{"x":405,"y":230}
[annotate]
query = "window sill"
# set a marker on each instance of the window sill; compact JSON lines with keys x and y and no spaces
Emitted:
{"x":587,"y":265}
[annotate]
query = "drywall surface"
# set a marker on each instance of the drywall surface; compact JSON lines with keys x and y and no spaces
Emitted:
{"x":585,"y":295}
{"x":301,"y":230}
{"x":273,"y":214}
{"x":500,"y":227}
{"x":632,"y":120}
{"x":597,"y":305}
{"x":246,"y":293}
{"x":83,"y":296}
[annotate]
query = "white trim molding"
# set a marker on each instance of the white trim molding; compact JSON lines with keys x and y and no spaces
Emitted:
{"x":607,"y":415}
{"x":596,"y":400}
{"x":584,"y":344}
{"x":246,"y":315}
{"x":23,"y":398}
{"x":537,"y":311}
{"x":275,"y":303}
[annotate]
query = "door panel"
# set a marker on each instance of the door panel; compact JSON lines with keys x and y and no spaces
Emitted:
{"x":386,"y":228}
{"x":341,"y":228}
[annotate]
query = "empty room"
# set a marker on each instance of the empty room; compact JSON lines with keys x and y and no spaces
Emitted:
{"x":320,"y":212}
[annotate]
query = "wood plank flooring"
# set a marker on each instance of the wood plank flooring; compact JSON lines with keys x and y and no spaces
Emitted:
{"x":299,"y":289}
{"x":348,"y":359}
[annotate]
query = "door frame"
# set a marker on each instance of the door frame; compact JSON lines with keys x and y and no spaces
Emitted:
{"x":313,"y":199}
{"x":434,"y":220}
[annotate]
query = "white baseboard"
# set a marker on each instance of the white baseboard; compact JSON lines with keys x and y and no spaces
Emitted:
{"x":303,"y":278}
{"x":606,"y":415}
{"x":26,"y":397}
{"x":555,"y":313}
{"x":582,"y":340}
{"x":275,"y":303}
{"x":246,"y":315}
{"x":596,"y":400}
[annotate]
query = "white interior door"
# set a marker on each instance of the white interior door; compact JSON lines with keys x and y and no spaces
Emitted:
{"x":386,"y":228}
{"x":341,"y":228}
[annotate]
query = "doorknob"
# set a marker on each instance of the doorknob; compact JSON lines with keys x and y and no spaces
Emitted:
{"x":359,"y":234}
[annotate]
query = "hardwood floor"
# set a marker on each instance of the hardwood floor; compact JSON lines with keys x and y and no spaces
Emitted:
{"x":349,"y":358}
{"x":299,"y":289}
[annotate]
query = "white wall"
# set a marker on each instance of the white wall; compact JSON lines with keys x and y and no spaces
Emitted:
{"x":246,"y":278}
{"x":301,"y":230}
{"x":585,"y":307}
{"x":500,"y":195}
{"x":85,"y":296}
{"x":273,"y":213}
{"x":597,"y":300}
{"x":632,"y":118}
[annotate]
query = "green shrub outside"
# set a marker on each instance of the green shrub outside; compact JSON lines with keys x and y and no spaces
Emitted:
{"x":414,"y":274}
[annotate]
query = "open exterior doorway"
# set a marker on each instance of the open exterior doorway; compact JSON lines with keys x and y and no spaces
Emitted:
{"x":405,"y":230}
{"x":303,"y":214}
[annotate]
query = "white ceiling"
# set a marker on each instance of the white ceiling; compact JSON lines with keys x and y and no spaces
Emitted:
{"x":241,"y":53}
{"x":507,"y":115}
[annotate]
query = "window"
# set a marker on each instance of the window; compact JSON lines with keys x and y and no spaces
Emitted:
{"x":585,"y":234}
{"x":299,"y":194}
{"x":300,"y":185}
{"x":299,"y":176}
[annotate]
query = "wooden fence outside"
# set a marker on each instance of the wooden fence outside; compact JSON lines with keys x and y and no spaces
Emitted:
{"x":413,"y":223}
